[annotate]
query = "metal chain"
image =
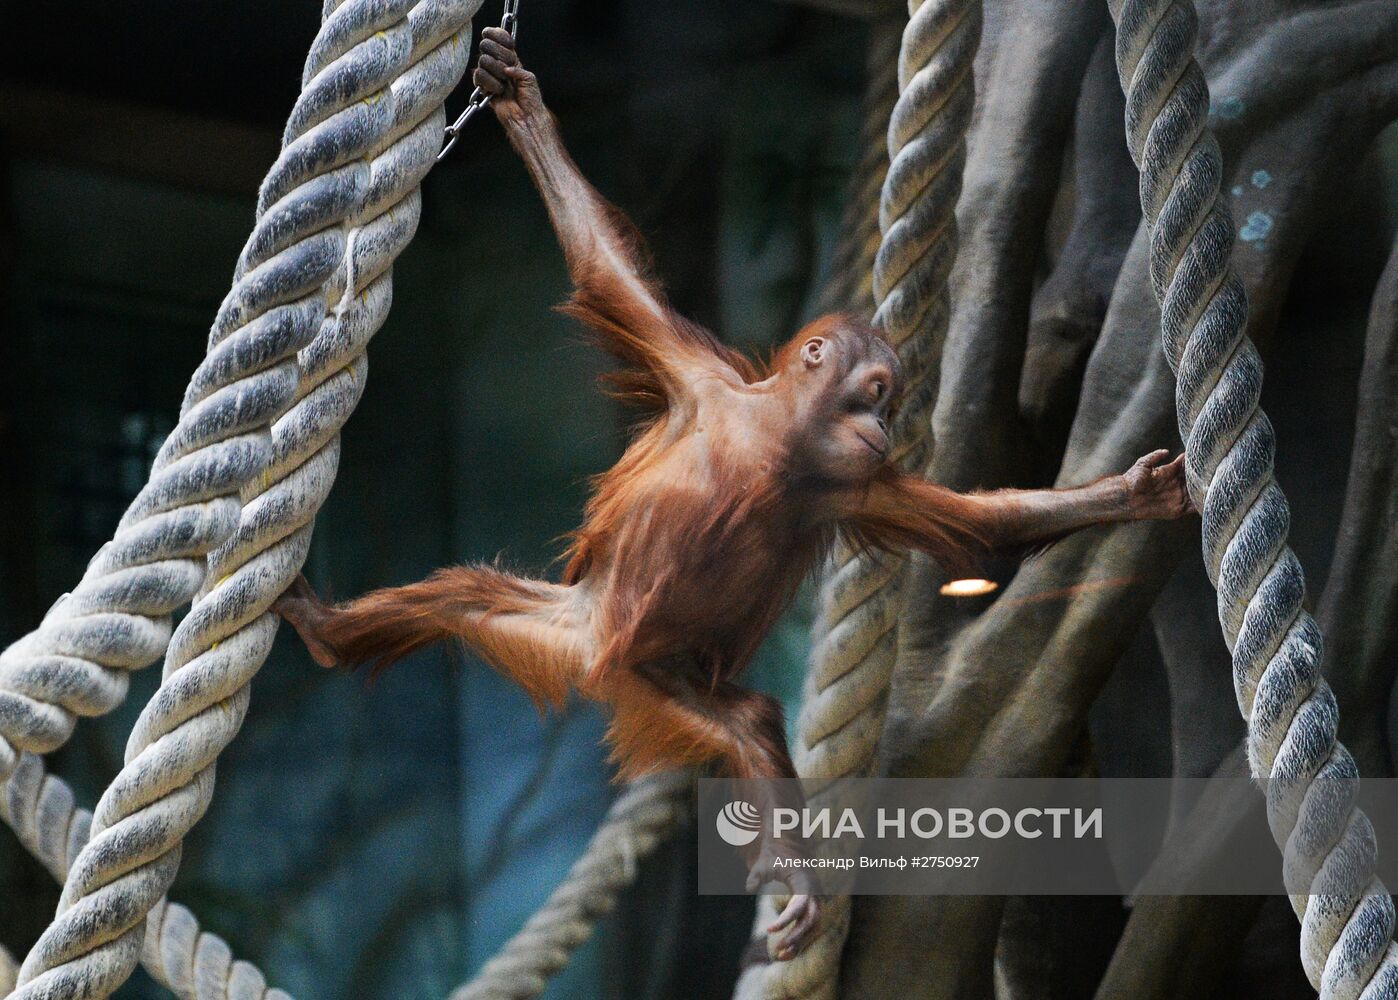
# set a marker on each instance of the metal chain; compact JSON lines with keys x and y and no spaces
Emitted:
{"x":509,"y":20}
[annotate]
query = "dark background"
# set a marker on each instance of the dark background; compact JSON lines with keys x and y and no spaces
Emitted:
{"x":383,"y":842}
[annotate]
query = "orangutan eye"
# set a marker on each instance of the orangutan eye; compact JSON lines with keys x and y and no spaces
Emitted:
{"x":877,"y":389}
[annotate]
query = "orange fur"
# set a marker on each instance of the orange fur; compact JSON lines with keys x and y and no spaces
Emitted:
{"x":899,"y":512}
{"x":735,"y":484}
{"x":691,"y":545}
{"x":687,"y":554}
{"x":502,"y":618}
{"x":658,"y":351}
{"x":652,"y":729}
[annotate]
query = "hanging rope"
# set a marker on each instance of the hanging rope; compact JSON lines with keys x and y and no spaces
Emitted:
{"x":855,"y":642}
{"x":1346,"y":937}
{"x":192,"y":963}
{"x":337,"y":207}
{"x":640,"y":819}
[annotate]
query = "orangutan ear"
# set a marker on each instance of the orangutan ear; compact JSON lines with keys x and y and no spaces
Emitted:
{"x":813,"y":352}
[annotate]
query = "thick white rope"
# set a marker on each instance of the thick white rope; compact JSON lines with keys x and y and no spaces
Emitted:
{"x":193,"y":963}
{"x":855,"y":643}
{"x":640,"y":820}
{"x":338,"y":206}
{"x":1309,"y":778}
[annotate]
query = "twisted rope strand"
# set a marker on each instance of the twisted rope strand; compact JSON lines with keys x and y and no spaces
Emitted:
{"x":194,"y":964}
{"x":118,"y":616}
{"x":927,"y":148}
{"x":370,"y":110}
{"x":640,"y":819}
{"x":855,"y":638}
{"x":1310,"y":780}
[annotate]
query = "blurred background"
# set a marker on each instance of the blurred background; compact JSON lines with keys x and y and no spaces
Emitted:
{"x":376,"y":842}
{"x":382,"y":842}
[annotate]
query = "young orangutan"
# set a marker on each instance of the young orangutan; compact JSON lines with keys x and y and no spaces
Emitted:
{"x":696,"y":540}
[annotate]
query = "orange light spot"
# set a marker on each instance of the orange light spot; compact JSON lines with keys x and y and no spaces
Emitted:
{"x":969,"y":588}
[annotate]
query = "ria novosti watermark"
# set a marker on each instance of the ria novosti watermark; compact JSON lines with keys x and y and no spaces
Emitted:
{"x":929,"y":823}
{"x":1016,"y":836}
{"x":739,"y":823}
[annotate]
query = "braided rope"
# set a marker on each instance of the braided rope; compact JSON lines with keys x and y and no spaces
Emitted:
{"x":855,"y":633}
{"x":640,"y":819}
{"x":369,"y":118}
{"x":1310,"y":780}
{"x":194,"y":964}
{"x":853,"y":653}
{"x":118,"y":616}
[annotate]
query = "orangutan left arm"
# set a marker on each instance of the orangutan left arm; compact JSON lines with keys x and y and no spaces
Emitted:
{"x":901,"y":511}
{"x":1153,"y":489}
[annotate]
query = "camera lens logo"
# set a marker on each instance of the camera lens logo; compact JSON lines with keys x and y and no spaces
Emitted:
{"x":739,"y":823}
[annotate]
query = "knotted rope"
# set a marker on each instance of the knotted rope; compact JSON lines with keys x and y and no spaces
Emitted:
{"x":337,"y":207}
{"x":855,"y":637}
{"x":1310,"y":780}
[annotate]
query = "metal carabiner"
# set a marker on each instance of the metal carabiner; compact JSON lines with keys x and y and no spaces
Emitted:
{"x":509,"y":20}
